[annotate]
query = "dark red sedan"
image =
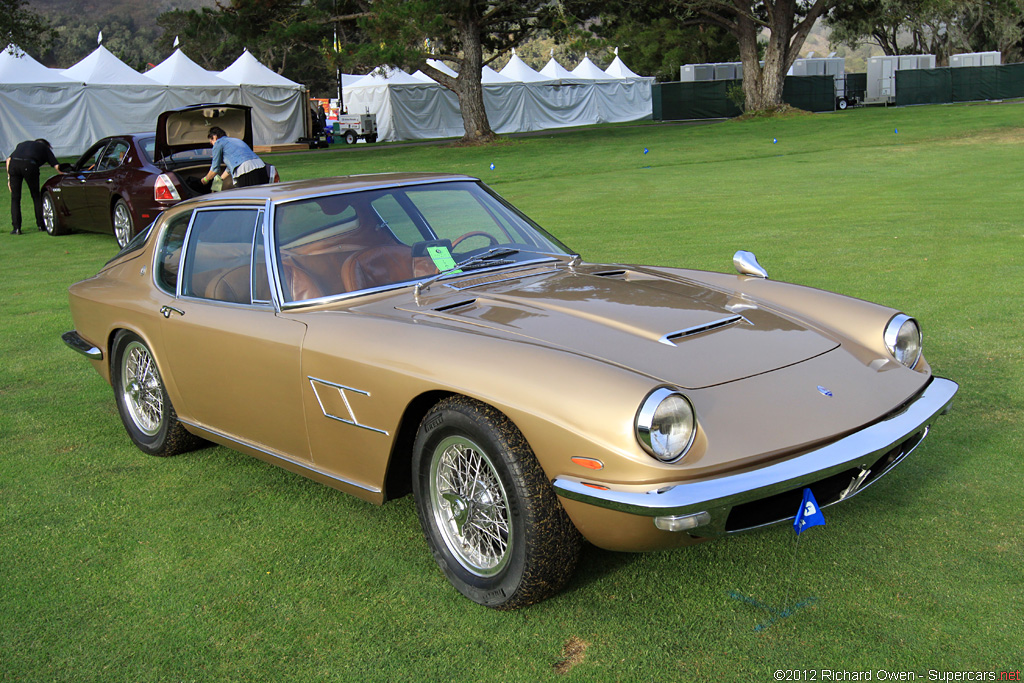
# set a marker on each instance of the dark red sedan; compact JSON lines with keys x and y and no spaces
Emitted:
{"x":123,"y":182}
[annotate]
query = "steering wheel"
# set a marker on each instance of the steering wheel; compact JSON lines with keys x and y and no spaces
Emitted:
{"x":492,"y":240}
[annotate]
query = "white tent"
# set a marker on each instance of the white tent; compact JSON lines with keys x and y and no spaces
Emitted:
{"x":517,"y":70}
{"x":101,"y":96}
{"x":587,"y":69}
{"x":409,"y":108}
{"x":618,"y":68}
{"x":489,"y":75}
{"x":50,"y":91}
{"x":247,"y":70}
{"x":178,"y":69}
{"x":101,"y":67}
{"x":279,"y":105}
{"x":555,"y":70}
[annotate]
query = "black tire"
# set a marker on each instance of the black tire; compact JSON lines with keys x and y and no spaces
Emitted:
{"x":371,"y":138}
{"x":500,"y":535}
{"x":842,"y":103}
{"x":350,"y":137}
{"x":142,"y":401}
{"x":122,"y":223}
{"x":51,"y":218}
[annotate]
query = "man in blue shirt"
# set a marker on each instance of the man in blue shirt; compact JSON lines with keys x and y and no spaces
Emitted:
{"x":244,"y":166}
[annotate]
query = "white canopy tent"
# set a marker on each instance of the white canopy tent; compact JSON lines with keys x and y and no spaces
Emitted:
{"x":618,"y":69}
{"x":50,"y":91}
{"x":279,"y":106}
{"x":101,"y":96}
{"x":518,"y":99}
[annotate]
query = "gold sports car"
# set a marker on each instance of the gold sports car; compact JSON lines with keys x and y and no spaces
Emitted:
{"x":389,"y":334}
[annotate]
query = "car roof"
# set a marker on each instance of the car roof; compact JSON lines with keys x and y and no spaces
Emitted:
{"x":298,"y":189}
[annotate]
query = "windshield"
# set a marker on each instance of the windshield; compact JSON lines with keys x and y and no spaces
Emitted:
{"x":376,"y":238}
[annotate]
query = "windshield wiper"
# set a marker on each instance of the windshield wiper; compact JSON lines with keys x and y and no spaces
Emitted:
{"x":479,"y":260}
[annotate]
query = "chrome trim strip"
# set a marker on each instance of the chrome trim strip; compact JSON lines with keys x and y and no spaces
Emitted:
{"x":480,"y":282}
{"x":720,"y":494}
{"x":277,"y":456}
{"x":670,"y":338}
{"x":313,"y":381}
{"x":76,"y":342}
{"x":336,"y":298}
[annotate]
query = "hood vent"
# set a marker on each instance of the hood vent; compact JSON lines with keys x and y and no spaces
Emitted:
{"x":672,"y":337}
{"x":617,"y":274}
{"x":457,"y":304}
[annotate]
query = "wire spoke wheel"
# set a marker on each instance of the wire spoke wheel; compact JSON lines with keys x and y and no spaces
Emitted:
{"x":469,"y":505}
{"x":141,"y":389}
{"x":490,"y":517}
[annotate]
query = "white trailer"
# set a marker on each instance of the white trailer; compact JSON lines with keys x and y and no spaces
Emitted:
{"x":966,"y":59}
{"x":882,"y":75}
{"x":354,"y":127}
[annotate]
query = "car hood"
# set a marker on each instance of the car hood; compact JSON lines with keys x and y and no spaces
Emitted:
{"x":184,"y":129}
{"x":674,"y":329}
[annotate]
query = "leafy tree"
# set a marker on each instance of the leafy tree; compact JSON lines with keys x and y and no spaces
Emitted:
{"x":938,"y":27}
{"x":75,"y":38}
{"x":467,"y":33}
{"x":659,"y":44}
{"x":22,"y":27}
{"x":783,"y":25}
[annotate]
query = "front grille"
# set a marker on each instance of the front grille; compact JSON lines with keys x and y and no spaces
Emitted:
{"x":783,"y":506}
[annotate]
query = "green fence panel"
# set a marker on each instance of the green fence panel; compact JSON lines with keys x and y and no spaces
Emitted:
{"x":988,"y":83}
{"x":697,"y":100}
{"x":857,"y":85}
{"x":923,"y":86}
{"x":710,"y":99}
{"x":810,"y":93}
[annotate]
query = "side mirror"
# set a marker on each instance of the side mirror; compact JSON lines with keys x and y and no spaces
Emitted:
{"x":746,"y":264}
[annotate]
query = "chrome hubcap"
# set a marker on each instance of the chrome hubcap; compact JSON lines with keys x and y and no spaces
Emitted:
{"x":122,"y":224}
{"x":141,"y":389}
{"x":48,"y":216}
{"x":469,"y":506}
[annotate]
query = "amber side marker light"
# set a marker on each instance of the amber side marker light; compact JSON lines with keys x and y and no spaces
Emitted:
{"x":589,"y":463}
{"x":595,"y":486}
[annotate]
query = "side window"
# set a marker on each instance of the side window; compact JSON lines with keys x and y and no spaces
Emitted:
{"x":170,"y":252}
{"x":396,"y":218}
{"x":113,"y":155}
{"x":91,"y":160}
{"x":218,"y":256}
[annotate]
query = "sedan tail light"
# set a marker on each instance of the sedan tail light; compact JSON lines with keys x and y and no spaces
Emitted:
{"x":164,"y":189}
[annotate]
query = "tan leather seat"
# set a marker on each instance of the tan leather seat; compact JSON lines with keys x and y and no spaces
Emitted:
{"x":376,"y":267}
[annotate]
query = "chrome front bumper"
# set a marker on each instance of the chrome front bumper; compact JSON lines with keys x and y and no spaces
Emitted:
{"x":842,"y":468}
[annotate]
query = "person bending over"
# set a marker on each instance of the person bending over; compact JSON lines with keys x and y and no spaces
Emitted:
{"x":242,"y":163}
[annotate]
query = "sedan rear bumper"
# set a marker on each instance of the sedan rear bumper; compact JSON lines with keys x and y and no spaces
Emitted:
{"x":765,"y":495}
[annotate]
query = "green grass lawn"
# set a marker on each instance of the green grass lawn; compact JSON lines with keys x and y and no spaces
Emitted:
{"x":213,"y":566}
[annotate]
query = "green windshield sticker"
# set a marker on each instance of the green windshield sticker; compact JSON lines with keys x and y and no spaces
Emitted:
{"x":442,"y":258}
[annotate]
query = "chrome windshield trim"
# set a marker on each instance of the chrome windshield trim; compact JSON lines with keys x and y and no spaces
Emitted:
{"x":76,"y":342}
{"x":344,"y":296}
{"x":283,"y":458}
{"x":720,"y":494}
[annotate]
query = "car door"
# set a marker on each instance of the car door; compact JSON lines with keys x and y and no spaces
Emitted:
{"x":78,"y":189}
{"x":233,"y":361}
{"x":104,"y":182}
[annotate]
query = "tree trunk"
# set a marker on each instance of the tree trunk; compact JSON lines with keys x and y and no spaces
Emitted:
{"x":762,"y":86}
{"x":467,"y":86}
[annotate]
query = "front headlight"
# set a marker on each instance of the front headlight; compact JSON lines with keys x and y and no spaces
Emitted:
{"x":903,"y":339}
{"x":665,"y":424}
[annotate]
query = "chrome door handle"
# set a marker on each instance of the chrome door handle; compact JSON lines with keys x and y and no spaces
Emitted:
{"x":167,"y":310}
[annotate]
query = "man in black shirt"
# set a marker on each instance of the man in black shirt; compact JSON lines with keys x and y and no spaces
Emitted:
{"x":24,"y":164}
